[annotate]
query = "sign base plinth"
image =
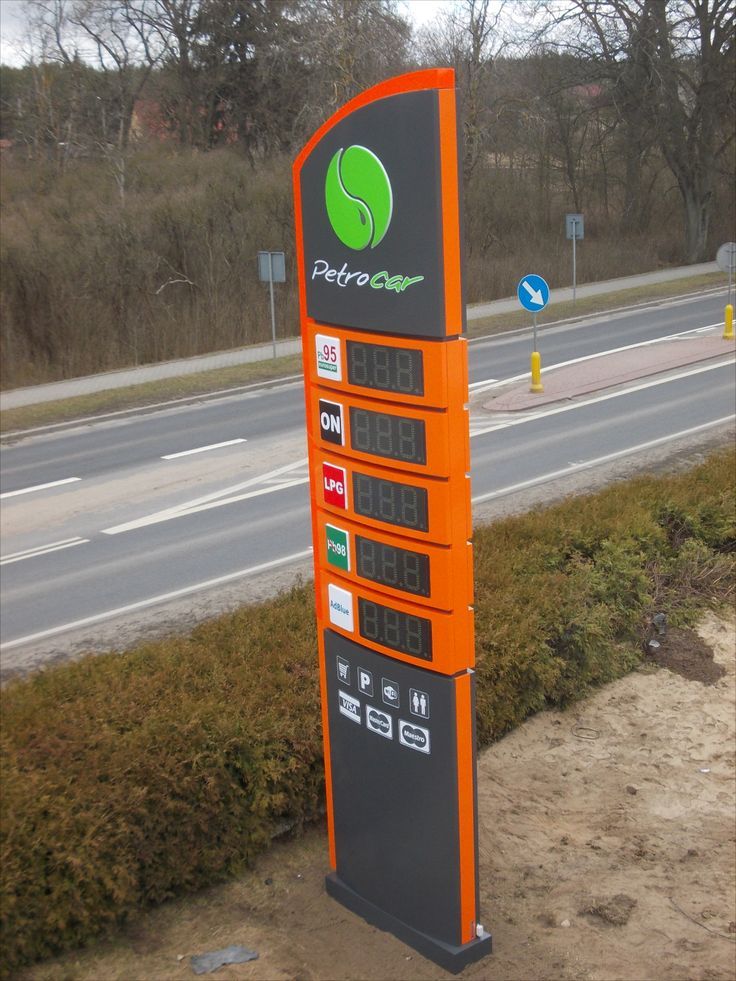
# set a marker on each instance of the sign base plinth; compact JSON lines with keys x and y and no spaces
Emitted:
{"x":451,"y":958}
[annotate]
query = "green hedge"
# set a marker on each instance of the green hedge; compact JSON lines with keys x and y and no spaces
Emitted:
{"x":129,"y":778}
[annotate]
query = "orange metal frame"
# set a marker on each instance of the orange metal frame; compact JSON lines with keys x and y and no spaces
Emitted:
{"x":444,"y":476}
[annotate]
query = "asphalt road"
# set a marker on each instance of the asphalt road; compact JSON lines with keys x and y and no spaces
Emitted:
{"x":143,"y":519}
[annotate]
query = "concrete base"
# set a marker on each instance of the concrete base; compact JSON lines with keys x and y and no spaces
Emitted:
{"x":448,"y":956}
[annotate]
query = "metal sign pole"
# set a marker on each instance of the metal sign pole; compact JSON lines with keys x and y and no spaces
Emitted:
{"x":574,"y":263}
{"x":273,"y":314}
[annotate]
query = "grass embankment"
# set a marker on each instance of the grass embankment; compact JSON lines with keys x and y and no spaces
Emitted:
{"x":129,"y":778}
{"x":207,"y":382}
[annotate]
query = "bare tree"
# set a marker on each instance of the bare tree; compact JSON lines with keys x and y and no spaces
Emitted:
{"x":468,"y":37}
{"x":671,"y":65}
{"x":348,"y":46}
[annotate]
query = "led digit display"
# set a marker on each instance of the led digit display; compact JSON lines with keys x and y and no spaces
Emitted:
{"x":392,"y":566}
{"x":397,"y":437}
{"x":390,"y":369}
{"x":389,"y":501}
{"x":392,"y":628}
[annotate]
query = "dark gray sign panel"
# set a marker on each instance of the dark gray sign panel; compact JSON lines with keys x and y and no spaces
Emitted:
{"x":372,"y":219}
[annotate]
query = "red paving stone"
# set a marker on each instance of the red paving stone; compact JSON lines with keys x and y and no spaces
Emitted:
{"x":608,"y":371}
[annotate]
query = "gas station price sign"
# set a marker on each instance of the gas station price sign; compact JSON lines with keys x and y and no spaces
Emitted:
{"x":434,"y":575}
{"x":409,"y":370}
{"x":377,"y":213}
{"x":431,"y":442}
{"x":399,"y":627}
{"x":412,"y":505}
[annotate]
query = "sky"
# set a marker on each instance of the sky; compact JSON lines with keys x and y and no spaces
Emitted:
{"x":13,"y":17}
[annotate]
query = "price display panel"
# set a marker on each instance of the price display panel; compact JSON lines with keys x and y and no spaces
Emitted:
{"x":432,"y":575}
{"x":397,"y":436}
{"x":400,"y":628}
{"x":409,"y":370}
{"x":410,"y":505}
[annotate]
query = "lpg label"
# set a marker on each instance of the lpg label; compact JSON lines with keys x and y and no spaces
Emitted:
{"x":335,"y":485}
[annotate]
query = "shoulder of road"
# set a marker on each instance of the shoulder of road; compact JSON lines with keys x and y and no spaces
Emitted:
{"x":562,"y":383}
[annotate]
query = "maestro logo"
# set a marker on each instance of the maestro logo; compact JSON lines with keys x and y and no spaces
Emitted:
{"x":358,"y":197}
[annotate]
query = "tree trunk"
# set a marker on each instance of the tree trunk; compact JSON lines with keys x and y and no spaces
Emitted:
{"x":697,"y":218}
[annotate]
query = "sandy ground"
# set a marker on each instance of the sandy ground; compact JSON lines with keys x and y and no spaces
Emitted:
{"x":606,"y":849}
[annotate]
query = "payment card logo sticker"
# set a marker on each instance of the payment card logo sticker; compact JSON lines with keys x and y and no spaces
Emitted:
{"x":415,"y":737}
{"x":330,"y":422}
{"x":349,"y":706}
{"x":358,"y":197}
{"x":335,"y":485}
{"x":341,"y":607}
{"x":338,"y":547}
{"x":379,"y":722}
{"x":329,"y":359}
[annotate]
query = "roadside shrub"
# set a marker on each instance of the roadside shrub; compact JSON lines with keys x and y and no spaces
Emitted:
{"x":133,"y":777}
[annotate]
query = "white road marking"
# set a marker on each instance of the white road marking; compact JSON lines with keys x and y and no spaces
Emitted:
{"x":38,"y":487}
{"x":586,"y":465}
{"x":569,"y":407}
{"x":265,"y":386}
{"x":153,"y":600}
{"x":481,"y":386}
{"x":227,"y":495}
{"x":31,"y":553}
{"x":203,"y":449}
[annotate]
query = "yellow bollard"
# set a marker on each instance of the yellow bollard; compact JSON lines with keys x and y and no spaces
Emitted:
{"x":536,"y":385}
{"x":727,"y":323}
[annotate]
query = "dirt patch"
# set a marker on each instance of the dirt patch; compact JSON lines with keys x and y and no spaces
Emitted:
{"x":687,"y":654}
{"x":606,"y":851}
{"x":615,"y":911}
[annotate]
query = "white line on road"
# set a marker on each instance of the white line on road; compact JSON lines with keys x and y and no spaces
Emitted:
{"x":153,"y":600}
{"x":31,"y":553}
{"x":38,"y":487}
{"x":481,"y":386}
{"x":609,"y":457}
{"x":543,"y":413}
{"x":155,"y":519}
{"x":203,"y":449}
{"x":224,"y":496}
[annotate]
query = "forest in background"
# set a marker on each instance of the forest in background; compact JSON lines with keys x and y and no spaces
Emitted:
{"x":147,"y":147}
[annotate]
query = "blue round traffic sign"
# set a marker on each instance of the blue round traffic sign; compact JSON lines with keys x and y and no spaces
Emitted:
{"x":533,"y":292}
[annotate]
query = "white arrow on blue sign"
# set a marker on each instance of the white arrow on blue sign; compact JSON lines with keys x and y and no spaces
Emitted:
{"x":533,"y":292}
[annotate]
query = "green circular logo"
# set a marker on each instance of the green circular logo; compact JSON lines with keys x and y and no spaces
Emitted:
{"x":358,"y":197}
